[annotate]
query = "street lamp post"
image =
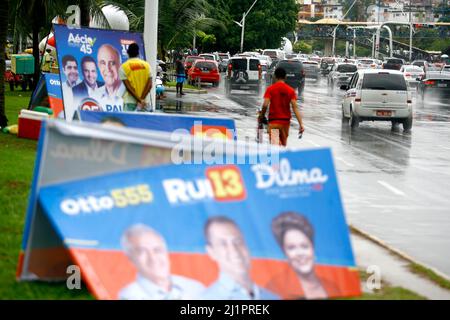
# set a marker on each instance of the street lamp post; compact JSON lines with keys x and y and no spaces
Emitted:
{"x":410,"y":32}
{"x":242,"y":24}
{"x":151,"y":39}
{"x":334,"y":31}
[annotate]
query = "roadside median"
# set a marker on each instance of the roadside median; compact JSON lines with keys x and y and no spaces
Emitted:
{"x":187,"y":88}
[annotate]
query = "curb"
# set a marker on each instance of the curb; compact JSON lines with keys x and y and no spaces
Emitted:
{"x":396,"y":252}
{"x":187,"y":90}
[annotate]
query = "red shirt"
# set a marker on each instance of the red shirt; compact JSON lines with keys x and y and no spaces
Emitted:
{"x":280,"y":95}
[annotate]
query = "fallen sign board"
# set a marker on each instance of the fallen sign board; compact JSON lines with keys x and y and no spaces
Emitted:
{"x":233,"y":231}
{"x":69,"y":151}
{"x":223,"y":128}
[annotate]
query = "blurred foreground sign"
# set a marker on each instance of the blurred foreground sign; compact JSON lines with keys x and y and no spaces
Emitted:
{"x":264,"y":230}
{"x":70,"y":151}
{"x":221,"y":128}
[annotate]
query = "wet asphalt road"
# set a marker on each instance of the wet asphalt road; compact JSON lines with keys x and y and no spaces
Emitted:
{"x":394,"y":185}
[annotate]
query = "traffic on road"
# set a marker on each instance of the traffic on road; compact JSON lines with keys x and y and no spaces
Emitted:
{"x":388,"y":129}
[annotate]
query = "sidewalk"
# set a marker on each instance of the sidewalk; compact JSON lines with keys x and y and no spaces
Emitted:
{"x":394,"y":270}
{"x":187,"y":90}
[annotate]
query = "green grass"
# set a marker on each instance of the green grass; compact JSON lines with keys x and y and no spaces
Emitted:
{"x":16,"y":170}
{"x":412,"y":266}
{"x":429,"y":274}
{"x":387,"y":292}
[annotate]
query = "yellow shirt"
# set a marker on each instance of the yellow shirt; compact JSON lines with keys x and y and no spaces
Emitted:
{"x":137,"y":72}
{"x":47,"y":62}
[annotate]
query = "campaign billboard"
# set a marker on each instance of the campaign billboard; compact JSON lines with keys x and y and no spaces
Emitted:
{"x":89,"y":61}
{"x":232,"y":231}
{"x":198,"y":126}
{"x":76,"y":150}
{"x":48,"y":94}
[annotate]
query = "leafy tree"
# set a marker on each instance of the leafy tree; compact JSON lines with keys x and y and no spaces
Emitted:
{"x":207,"y":41}
{"x":359,"y":9}
{"x":268,"y":21}
{"x":302,"y":46}
{"x":178,"y":20}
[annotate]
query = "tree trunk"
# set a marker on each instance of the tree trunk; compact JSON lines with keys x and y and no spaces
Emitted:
{"x":84,"y":13}
{"x":37,"y":65}
{"x":3,"y":33}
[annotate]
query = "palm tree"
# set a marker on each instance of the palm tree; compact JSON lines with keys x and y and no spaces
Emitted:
{"x":92,"y":9}
{"x":35,"y":16}
{"x":3,"y":34}
{"x":178,"y":20}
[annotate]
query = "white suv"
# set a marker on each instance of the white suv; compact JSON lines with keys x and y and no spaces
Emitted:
{"x":243,"y":73}
{"x":377,"y":95}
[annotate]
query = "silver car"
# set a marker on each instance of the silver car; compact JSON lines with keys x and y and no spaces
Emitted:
{"x":312,"y":69}
{"x":340,"y":74}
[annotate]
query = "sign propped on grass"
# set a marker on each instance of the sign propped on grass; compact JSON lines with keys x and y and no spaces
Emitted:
{"x":70,"y":151}
{"x":230,"y":231}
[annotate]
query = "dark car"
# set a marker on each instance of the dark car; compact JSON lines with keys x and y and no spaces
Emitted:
{"x":295,"y":73}
{"x":393,"y":64}
{"x":435,"y":84}
{"x":326,"y":64}
{"x":312,"y":69}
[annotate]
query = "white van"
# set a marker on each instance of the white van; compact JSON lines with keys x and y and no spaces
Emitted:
{"x":377,"y":95}
{"x":243,"y":73}
{"x":275,"y":54}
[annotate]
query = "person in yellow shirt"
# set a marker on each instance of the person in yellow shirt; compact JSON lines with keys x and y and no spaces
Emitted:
{"x":137,"y":78}
{"x":47,"y":63}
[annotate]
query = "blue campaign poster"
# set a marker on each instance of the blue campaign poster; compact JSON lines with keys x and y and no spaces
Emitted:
{"x":89,"y":61}
{"x":248,"y":231}
{"x":197,"y":126}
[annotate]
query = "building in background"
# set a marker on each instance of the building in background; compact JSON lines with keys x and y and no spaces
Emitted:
{"x":333,"y":9}
{"x":310,"y":9}
{"x":420,"y":11}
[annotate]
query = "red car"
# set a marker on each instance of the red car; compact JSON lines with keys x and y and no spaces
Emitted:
{"x":189,"y":61}
{"x":204,"y":71}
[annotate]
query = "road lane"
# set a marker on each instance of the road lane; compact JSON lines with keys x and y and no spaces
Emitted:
{"x":394,"y":185}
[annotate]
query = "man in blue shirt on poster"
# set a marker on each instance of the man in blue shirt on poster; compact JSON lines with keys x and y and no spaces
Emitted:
{"x":226,"y":246}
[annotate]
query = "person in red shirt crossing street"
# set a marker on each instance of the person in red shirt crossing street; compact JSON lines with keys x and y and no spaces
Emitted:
{"x":280,"y":98}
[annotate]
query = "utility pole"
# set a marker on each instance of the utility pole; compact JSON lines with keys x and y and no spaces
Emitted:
{"x":334,"y":31}
{"x":378,"y":11}
{"x":410,"y":32}
{"x":242,"y":25}
{"x":151,"y":39}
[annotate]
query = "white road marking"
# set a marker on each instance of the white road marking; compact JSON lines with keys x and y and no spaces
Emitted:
{"x":391,"y":188}
{"x":345,"y":162}
{"x":81,"y":242}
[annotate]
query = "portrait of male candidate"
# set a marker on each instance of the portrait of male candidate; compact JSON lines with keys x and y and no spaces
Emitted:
{"x":112,"y":121}
{"x":110,"y":95}
{"x":70,"y":70}
{"x":226,"y":246}
{"x":295,"y":236}
{"x":147,"y":250}
{"x":89,"y":85}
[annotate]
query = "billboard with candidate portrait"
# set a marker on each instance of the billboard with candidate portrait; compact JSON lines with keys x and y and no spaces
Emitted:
{"x":247,"y":231}
{"x":89,"y":61}
{"x":77,"y":150}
